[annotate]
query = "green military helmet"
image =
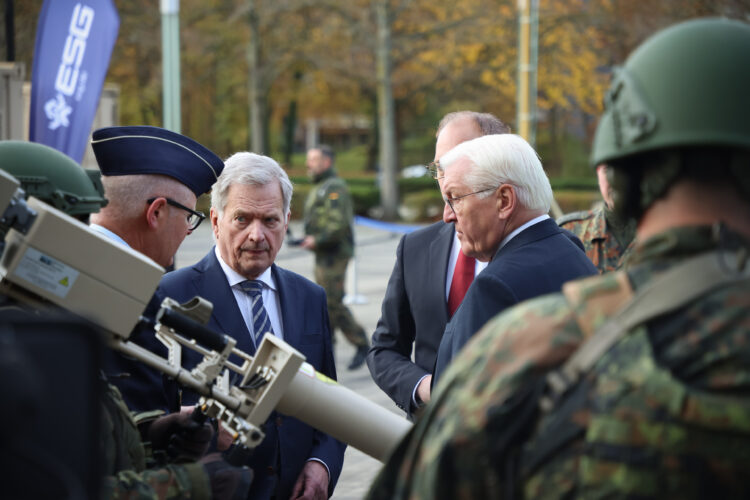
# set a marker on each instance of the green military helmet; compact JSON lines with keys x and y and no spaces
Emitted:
{"x":53,"y":177}
{"x":688,"y":85}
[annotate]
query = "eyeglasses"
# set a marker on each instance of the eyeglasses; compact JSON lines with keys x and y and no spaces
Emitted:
{"x":451,"y":201}
{"x":435,"y":171}
{"x":194,"y":217}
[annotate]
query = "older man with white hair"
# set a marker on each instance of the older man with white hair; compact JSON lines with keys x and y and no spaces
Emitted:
{"x":498,"y":195}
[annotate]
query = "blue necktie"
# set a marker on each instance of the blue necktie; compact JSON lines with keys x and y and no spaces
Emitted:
{"x":261,"y":323}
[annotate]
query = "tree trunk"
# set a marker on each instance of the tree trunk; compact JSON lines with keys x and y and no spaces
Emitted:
{"x":386,"y":114}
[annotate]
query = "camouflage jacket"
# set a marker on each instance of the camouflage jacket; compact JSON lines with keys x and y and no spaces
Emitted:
{"x":328,"y":216}
{"x":635,"y":435}
{"x":124,"y":461}
{"x":599,"y":240}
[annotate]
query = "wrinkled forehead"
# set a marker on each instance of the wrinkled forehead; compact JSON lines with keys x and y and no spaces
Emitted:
{"x":255,"y":198}
{"x":455,"y":175}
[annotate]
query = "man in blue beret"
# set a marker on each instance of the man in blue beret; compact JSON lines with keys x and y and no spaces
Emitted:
{"x":152,"y":178}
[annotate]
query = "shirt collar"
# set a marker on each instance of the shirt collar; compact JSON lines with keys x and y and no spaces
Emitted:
{"x":520,"y":228}
{"x":109,"y":234}
{"x":235,"y":278}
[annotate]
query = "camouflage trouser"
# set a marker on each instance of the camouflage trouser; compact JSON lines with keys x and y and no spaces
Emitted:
{"x":330,"y":274}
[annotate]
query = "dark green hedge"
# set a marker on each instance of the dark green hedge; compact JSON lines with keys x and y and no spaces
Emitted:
{"x":572,"y":193}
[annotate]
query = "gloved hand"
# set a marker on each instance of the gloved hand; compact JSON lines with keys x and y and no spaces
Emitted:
{"x":227,"y":481}
{"x":180,"y":436}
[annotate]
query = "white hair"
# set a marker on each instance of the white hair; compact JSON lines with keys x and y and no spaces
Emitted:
{"x":249,"y":169}
{"x":504,"y":159}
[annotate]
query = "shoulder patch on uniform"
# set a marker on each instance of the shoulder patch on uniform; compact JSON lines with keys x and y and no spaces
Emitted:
{"x":574,"y":216}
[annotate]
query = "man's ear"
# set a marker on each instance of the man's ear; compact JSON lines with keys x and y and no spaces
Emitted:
{"x":156,"y":212}
{"x":213,"y":216}
{"x":506,"y":201}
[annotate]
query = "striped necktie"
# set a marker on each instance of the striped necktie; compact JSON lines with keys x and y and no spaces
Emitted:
{"x":261,"y":323}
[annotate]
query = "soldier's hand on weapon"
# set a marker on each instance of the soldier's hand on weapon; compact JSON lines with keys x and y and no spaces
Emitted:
{"x":227,"y":481}
{"x":181,"y":436}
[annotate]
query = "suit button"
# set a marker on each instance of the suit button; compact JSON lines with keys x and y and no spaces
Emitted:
{"x":278,"y":421}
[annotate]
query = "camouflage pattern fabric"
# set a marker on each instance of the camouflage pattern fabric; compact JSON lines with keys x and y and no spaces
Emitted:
{"x":330,"y":273}
{"x":328,"y":218}
{"x":124,"y":461}
{"x":665,"y":413}
{"x":608,"y":249}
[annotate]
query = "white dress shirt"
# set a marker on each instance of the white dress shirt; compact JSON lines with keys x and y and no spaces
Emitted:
{"x":269,"y":294}
{"x":109,"y":234}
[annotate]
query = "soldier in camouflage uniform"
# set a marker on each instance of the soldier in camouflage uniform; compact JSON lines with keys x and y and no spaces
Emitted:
{"x":328,"y":233}
{"x":634,"y":383}
{"x":60,"y":182}
{"x":606,"y":237}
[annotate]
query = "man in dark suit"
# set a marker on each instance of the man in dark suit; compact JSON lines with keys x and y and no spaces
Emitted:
{"x":415,"y":308}
{"x":249,"y":215}
{"x":498,"y":196}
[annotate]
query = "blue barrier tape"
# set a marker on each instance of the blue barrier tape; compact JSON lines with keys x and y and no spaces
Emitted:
{"x":385,"y":226}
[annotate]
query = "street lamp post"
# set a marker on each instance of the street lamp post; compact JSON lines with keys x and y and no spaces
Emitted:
{"x":170,"y":40}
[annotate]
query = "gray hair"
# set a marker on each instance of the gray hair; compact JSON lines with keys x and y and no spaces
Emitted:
{"x":487,"y":123}
{"x":249,"y":169}
{"x":127,"y":194}
{"x":504,"y":159}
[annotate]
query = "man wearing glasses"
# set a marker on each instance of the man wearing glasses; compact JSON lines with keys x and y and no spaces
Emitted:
{"x":422,"y":293}
{"x":498,"y":195}
{"x":152,"y":178}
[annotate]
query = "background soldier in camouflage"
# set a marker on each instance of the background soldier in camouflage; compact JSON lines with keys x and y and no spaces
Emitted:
{"x":660,"y":408}
{"x":607,"y":238}
{"x":328,"y":233}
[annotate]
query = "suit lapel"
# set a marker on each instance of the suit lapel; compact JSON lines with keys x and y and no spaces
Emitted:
{"x":439,"y":253}
{"x":289,"y":317}
{"x":212,"y":284}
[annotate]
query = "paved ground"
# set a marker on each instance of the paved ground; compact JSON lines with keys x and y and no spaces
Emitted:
{"x":376,"y":253}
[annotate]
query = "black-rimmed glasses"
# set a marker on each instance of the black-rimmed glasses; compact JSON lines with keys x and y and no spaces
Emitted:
{"x":451,"y":201}
{"x":194,"y":217}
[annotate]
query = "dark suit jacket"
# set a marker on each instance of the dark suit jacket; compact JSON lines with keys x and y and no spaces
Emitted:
{"x":535,"y":262}
{"x":288,"y":442}
{"x":414,"y":311}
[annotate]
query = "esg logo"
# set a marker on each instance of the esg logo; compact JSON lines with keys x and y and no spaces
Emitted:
{"x":75,"y":47}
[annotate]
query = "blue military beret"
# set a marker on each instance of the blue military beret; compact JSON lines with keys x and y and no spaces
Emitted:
{"x":154,"y":150}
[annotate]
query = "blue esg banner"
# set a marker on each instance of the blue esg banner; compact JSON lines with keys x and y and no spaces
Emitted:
{"x":74,"y":41}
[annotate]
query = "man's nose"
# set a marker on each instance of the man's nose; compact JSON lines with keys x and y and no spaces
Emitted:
{"x":255,"y":231}
{"x":448,"y":214}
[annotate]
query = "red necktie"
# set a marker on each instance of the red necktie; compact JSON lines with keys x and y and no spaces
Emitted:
{"x":462,"y":277}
